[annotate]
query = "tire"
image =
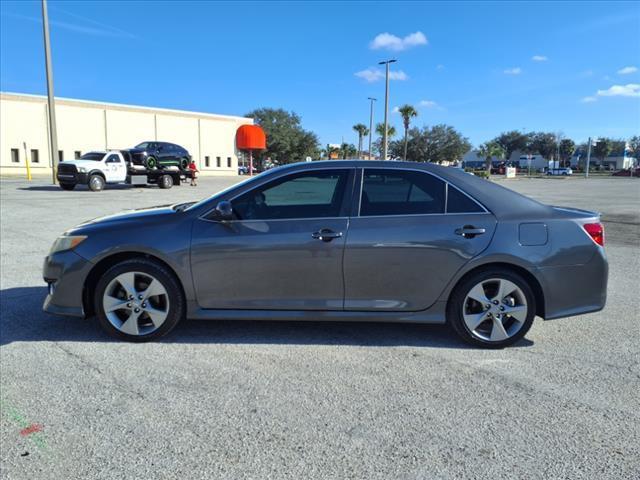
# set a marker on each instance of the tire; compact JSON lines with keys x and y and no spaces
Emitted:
{"x":165,"y":181}
{"x":96,"y":182}
{"x":514,"y":312}
{"x":123,"y":309}
{"x":67,"y":186}
{"x":184,"y":163}
{"x":151,"y":163}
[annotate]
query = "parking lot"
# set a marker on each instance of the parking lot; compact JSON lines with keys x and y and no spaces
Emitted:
{"x":312,"y":400}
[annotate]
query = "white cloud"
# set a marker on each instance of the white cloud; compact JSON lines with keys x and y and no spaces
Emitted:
{"x":398,"y":75}
{"x":513,"y":71}
{"x":388,"y":41}
{"x":440,"y":67}
{"x":539,"y":58}
{"x":371,"y":75}
{"x":588,"y":99}
{"x":628,"y":90}
{"x":396,"y":110}
{"x":627,"y":70}
{"x":428,"y":104}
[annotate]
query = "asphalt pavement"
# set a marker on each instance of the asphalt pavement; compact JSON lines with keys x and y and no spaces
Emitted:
{"x":262,"y":400}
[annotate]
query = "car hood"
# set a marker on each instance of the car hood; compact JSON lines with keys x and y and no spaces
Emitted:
{"x":137,"y":215}
{"x":84,"y":163}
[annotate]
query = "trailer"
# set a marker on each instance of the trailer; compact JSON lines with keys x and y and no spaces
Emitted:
{"x":100,"y":168}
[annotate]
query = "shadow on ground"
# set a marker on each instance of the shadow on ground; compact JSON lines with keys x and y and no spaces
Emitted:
{"x":79,"y":188}
{"x":22,"y":320}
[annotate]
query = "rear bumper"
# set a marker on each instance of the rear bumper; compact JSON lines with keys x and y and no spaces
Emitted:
{"x":575,"y":289}
{"x":65,"y":274}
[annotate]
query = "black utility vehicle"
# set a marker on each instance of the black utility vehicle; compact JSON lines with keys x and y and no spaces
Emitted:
{"x":160,"y":154}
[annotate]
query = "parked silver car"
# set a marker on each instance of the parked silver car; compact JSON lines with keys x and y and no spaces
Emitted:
{"x":337,"y":240}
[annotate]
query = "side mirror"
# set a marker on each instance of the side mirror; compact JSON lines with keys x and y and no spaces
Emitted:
{"x":224,"y":211}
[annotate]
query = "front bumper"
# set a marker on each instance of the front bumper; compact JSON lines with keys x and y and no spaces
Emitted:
{"x":72,"y":178}
{"x":65,"y":274}
{"x":575,"y":289}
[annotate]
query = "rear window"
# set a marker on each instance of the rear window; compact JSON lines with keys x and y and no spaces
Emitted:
{"x":92,"y":156}
{"x":401,"y":192}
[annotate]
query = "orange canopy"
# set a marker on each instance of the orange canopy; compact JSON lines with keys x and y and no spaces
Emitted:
{"x":251,"y":137}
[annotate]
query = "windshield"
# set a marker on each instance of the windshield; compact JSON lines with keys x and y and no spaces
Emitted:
{"x":97,"y":156}
{"x":143,"y":145}
{"x":204,"y":200}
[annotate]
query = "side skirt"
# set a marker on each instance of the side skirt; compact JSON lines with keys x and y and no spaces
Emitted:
{"x":433,"y":315}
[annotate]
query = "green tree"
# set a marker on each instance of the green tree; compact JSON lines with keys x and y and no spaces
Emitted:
{"x":363,"y":131}
{"x":435,"y":144}
{"x":407,"y":112}
{"x":391,"y":132}
{"x":512,"y":141}
{"x":287,"y":141}
{"x":544,"y":144}
{"x":489,"y":150}
{"x":603,"y":148}
{"x":567,"y":147}
{"x":347,"y":150}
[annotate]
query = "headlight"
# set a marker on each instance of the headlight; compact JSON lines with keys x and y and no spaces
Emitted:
{"x":82,"y":170}
{"x":66,"y":243}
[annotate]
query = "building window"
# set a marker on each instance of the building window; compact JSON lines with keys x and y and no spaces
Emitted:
{"x":77,"y":154}
{"x":60,"y":155}
{"x":15,"y":155}
{"x":229,"y":162}
{"x":35,"y":158}
{"x":218,"y":162}
{"x":206,"y":162}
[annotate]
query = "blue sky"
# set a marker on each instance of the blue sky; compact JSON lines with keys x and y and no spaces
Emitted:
{"x":483,"y":67}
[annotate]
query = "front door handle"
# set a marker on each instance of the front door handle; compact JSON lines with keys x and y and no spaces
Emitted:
{"x":326,"y":235}
{"x":469,"y":231}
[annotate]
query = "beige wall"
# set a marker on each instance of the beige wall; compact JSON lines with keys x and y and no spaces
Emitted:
{"x":84,"y":126}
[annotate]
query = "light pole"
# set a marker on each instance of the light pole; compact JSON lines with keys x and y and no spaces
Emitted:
{"x":371,"y":99}
{"x":53,"y":136}
{"x":385,"y":139}
{"x":586,"y":170}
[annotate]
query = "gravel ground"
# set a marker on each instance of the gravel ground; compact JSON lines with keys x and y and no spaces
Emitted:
{"x":312,"y":400}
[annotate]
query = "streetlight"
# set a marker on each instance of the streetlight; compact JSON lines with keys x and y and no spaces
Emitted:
{"x":53,"y":137}
{"x":371,"y":99}
{"x":385,"y":139}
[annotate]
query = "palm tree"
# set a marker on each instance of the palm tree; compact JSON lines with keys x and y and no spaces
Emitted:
{"x":489,"y":150}
{"x":391,"y":131}
{"x":363,"y":131}
{"x":408,"y":112}
{"x":347,"y":150}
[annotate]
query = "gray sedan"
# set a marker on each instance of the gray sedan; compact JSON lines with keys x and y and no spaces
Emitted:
{"x":340,"y":240}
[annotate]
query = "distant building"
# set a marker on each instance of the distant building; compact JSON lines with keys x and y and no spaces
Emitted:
{"x":84,"y":126}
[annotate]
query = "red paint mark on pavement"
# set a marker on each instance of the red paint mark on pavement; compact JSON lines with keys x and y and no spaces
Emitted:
{"x":33,"y":428}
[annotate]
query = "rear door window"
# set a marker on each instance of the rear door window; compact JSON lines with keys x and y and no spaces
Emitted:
{"x":401,"y":192}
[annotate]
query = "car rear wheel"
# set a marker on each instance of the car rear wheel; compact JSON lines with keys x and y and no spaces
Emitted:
{"x":165,"y":181}
{"x":67,"y":186}
{"x":493,"y":308}
{"x":138,"y":300}
{"x":96,"y":182}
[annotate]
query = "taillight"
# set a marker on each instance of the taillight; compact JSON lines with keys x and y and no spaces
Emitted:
{"x":596,"y":232}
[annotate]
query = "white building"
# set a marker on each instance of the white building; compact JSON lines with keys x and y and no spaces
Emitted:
{"x":83,"y":126}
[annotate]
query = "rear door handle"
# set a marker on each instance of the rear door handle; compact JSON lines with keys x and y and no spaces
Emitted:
{"x":326,"y":235}
{"x":469,"y":231}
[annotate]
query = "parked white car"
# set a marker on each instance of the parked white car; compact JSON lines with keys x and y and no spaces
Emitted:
{"x":560,"y":171}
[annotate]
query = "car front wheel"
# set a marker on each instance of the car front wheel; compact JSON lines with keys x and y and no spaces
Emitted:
{"x":493,"y":308}
{"x":138,"y":300}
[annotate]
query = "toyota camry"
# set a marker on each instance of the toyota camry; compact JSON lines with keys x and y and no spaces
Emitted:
{"x":338,"y":240}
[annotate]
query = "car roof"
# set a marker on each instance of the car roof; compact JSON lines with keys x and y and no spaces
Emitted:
{"x":501,"y":201}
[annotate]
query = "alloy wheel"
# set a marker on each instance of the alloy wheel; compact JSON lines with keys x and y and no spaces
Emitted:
{"x":495,"y":309}
{"x":136,"y":303}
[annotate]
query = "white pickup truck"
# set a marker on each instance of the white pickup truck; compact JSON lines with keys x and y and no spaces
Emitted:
{"x":99,"y":168}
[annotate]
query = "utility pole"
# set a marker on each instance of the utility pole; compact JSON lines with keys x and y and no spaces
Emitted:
{"x":385,"y":137}
{"x":53,"y":136}
{"x":371,"y":99}
{"x":586,"y":170}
